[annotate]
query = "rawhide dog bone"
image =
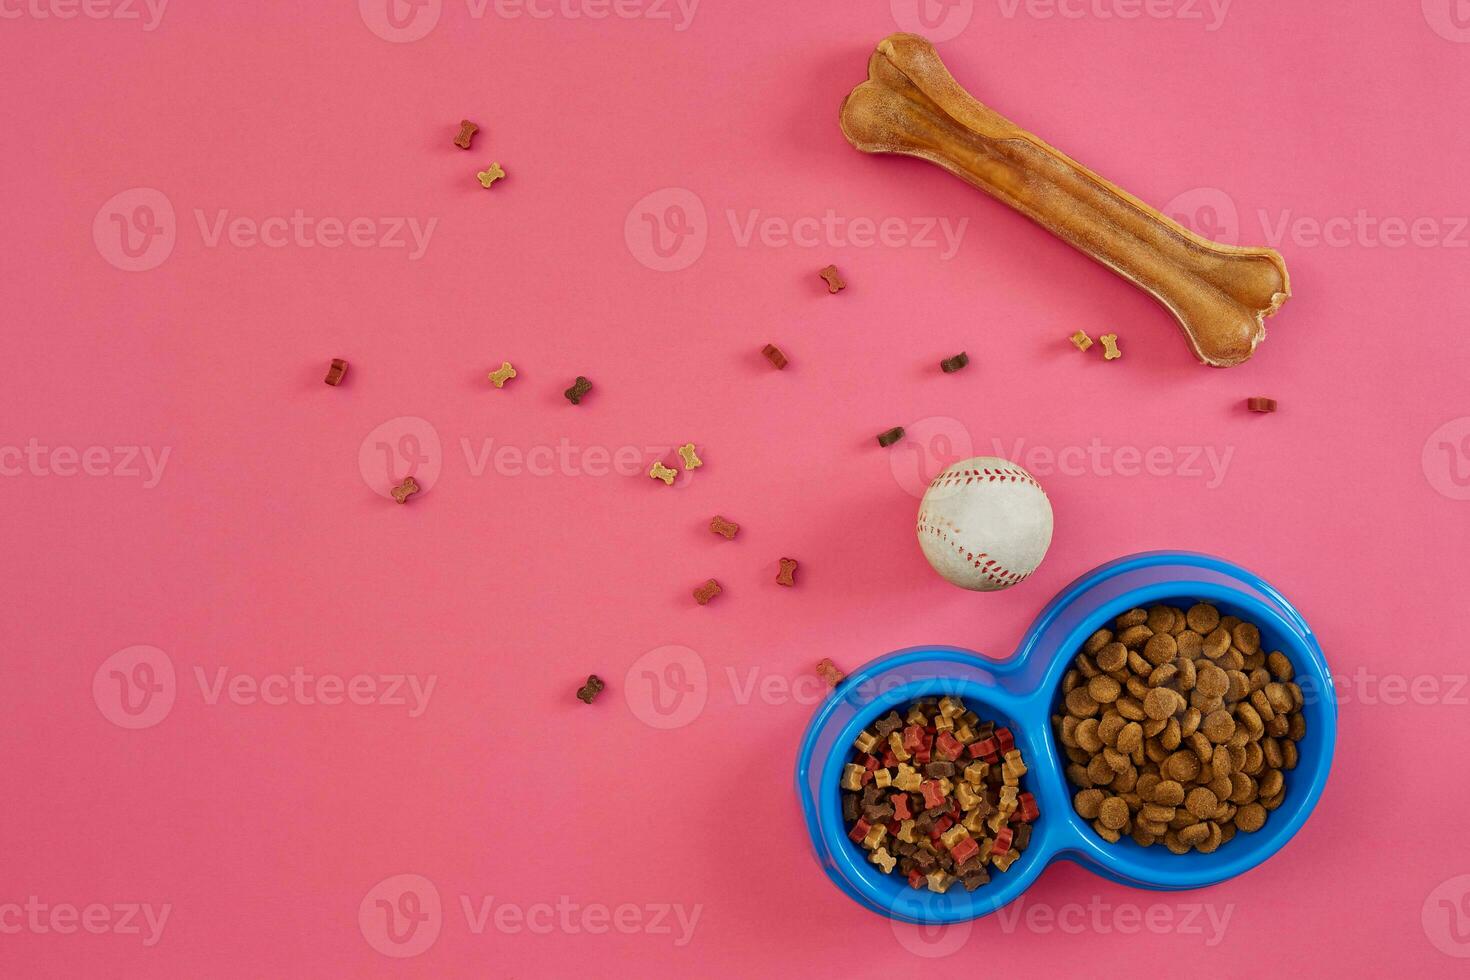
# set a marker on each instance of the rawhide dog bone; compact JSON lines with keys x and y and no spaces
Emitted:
{"x":1219,"y":294}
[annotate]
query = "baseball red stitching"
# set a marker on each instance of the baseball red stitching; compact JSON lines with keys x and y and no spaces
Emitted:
{"x":989,"y":567}
{"x":1003,"y":474}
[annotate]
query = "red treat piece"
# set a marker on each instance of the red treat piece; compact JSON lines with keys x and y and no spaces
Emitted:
{"x":913,"y":738}
{"x":860,"y":830}
{"x":1005,"y":739}
{"x":901,"y":806}
{"x":964,"y":850}
{"x":867,"y":776}
{"x":1026,"y":808}
{"x":890,"y":761}
{"x":916,"y":879}
{"x":943,"y":824}
{"x":870,"y":762}
{"x":984,"y":750}
{"x":952,"y":747}
{"x":1003,"y":841}
{"x":933,"y":794}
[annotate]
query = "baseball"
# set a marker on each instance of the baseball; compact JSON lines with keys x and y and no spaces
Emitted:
{"x":984,"y":523}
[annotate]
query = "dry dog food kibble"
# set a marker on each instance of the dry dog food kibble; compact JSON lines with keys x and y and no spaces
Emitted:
{"x":788,"y":570}
{"x":1177,"y":726}
{"x":952,"y":364}
{"x":578,"y":390}
{"x":723,"y":527}
{"x":829,"y":672}
{"x":336,"y":372}
{"x":835,"y":282}
{"x":589,"y":691}
{"x":774,"y":355}
{"x":934,"y":794}
{"x":467,"y":131}
{"x":888,"y":438}
{"x":707,"y":591}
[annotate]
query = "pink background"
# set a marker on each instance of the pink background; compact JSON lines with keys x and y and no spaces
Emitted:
{"x":266,"y":544}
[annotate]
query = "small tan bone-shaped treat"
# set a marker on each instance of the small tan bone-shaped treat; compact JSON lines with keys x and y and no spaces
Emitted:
{"x":1219,"y":294}
{"x":336,"y":372}
{"x":788,"y":570}
{"x":467,"y":131}
{"x":1081,"y":340}
{"x":828,"y":672}
{"x":835,"y":282}
{"x":490,"y":175}
{"x":723,"y":527}
{"x":406,"y":489}
{"x":1110,"y":347}
{"x":687,"y":454}
{"x":503,"y":374}
{"x":661,"y":472}
{"x":707,"y":591}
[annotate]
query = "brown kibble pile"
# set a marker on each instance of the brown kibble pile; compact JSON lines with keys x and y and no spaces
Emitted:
{"x":1177,"y":728}
{"x":936,"y":795}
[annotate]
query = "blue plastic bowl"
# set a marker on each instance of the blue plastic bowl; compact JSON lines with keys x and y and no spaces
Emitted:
{"x":1022,"y":693}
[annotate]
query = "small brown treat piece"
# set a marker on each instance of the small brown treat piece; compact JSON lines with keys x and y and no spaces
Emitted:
{"x":467,"y":131}
{"x":786,"y":576}
{"x":406,"y":489}
{"x":502,"y":374}
{"x":336,"y":372}
{"x":829,"y":672}
{"x":774,"y":355}
{"x":723,"y":527}
{"x":952,"y":364}
{"x":888,"y":438}
{"x":661,"y":472}
{"x":1081,"y":340}
{"x":1110,"y":347}
{"x":490,"y":175}
{"x":1261,"y":404}
{"x":578,"y":390}
{"x":835,"y":282}
{"x":589,"y":691}
{"x":707,"y":591}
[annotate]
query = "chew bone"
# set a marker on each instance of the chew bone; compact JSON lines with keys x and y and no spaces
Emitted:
{"x":1219,"y":294}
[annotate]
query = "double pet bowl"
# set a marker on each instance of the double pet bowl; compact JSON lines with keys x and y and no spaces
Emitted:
{"x":1023,"y":693}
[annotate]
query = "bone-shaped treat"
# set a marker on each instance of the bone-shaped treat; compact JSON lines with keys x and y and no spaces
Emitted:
{"x":661,"y":472}
{"x":467,"y":131}
{"x":707,"y":591}
{"x":723,"y":527}
{"x":490,"y":175}
{"x":404,"y":490}
{"x":690,"y":458}
{"x":788,"y":570}
{"x":1219,"y":294}
{"x":503,"y":374}
{"x":579,"y":388}
{"x":835,"y":282}
{"x":588,"y":692}
{"x":1110,"y":347}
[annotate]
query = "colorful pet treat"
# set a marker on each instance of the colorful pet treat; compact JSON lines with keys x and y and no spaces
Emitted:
{"x":786,"y":576}
{"x":588,"y":692}
{"x":1110,"y":347}
{"x":406,"y":489}
{"x":690,"y":458}
{"x":724,"y":528}
{"x":661,"y":472}
{"x":501,"y":375}
{"x":937,"y":822}
{"x":707,"y":591}
{"x":578,"y":390}
{"x":774,"y":355}
{"x":490,"y":175}
{"x":467,"y":131}
{"x":957,"y":363}
{"x":835,"y":282}
{"x":890,"y":436}
{"x":829,"y":673}
{"x":338,"y":370}
{"x":1177,"y":728}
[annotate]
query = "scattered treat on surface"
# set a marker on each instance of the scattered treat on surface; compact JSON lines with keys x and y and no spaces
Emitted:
{"x":787,"y":574}
{"x":503,"y":374}
{"x":774,"y":355}
{"x":1081,"y":340}
{"x":1110,"y":347}
{"x":919,"y":789}
{"x":1177,"y":727}
{"x":336,"y":372}
{"x":721,"y":526}
{"x":588,"y":692}
{"x":1219,"y":294}
{"x":835,"y":282}
{"x":707,"y":591}
{"x":406,"y":489}
{"x":888,"y":438}
{"x":1261,"y":404}
{"x":828,"y":672}
{"x":578,"y":390}
{"x":490,"y":175}
{"x":957,"y":363}
{"x":661,"y":472}
{"x":690,"y":458}
{"x":467,"y":131}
